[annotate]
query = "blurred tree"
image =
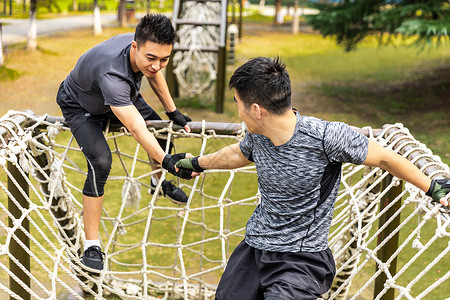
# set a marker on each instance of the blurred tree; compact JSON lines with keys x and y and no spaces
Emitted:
{"x":121,"y":13}
{"x":32,"y":27}
{"x":97,"y":24}
{"x":276,"y":19}
{"x":352,"y":20}
{"x":50,"y":5}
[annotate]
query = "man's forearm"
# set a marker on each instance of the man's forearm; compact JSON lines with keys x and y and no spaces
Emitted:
{"x":405,"y":170}
{"x":133,"y":121}
{"x":159,"y":85}
{"x":229,"y":157}
{"x":148,"y":141}
{"x":397,"y":165}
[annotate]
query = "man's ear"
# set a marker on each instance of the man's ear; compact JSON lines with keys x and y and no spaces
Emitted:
{"x":257,"y":110}
{"x":134,"y":45}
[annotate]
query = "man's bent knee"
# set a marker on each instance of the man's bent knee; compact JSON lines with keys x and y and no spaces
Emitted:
{"x":99,"y":168}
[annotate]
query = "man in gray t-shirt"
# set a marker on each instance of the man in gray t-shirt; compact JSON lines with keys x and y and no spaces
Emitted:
{"x":104,"y":87}
{"x":298,"y":160}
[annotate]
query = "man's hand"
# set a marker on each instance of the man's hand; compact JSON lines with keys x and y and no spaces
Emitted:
{"x":180,"y":119}
{"x":190,"y":164}
{"x":169,"y":162}
{"x":438,"y":190}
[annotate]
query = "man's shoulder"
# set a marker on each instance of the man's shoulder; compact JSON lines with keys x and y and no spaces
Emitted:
{"x":128,"y":37}
{"x":112,"y":46}
{"x":311,"y":126}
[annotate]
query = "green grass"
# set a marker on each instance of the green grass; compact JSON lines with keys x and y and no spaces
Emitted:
{"x":8,"y":74}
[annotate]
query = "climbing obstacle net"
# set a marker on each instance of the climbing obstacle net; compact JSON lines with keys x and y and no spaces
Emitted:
{"x":386,"y":237}
{"x":196,"y":68}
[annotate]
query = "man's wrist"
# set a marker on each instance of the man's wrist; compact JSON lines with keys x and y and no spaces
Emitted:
{"x":165,"y":160}
{"x":429,"y":193}
{"x":196,"y":164}
{"x":171,"y":111}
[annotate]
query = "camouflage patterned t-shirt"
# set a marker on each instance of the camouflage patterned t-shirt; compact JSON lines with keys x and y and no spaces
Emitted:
{"x":299,"y":182}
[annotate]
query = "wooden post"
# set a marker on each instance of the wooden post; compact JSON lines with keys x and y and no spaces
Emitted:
{"x":390,"y":246}
{"x":220,"y":83}
{"x":14,"y":248}
{"x":171,"y":78}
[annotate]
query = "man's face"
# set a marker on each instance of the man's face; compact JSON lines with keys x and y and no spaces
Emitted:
{"x":150,"y":57}
{"x":245,"y":115}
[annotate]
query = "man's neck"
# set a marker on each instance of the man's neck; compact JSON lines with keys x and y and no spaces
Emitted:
{"x":280,"y":128}
{"x":132,"y":61}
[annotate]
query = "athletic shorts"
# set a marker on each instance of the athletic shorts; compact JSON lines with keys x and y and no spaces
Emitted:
{"x":253,"y":274}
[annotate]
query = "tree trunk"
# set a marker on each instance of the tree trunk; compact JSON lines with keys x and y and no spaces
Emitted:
{"x":74,"y":5}
{"x":97,"y":22}
{"x":277,"y":12}
{"x":32,"y":28}
{"x":296,"y":20}
{"x":261,"y":4}
{"x":122,"y":14}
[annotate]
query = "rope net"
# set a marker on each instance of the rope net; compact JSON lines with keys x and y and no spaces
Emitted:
{"x":159,"y":250}
{"x":196,"y":68}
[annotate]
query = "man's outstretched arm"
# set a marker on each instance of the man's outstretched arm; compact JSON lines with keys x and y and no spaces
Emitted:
{"x":135,"y":123}
{"x":402,"y":168}
{"x":229,"y":157}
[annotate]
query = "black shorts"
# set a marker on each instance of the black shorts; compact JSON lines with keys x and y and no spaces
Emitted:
{"x":253,"y":274}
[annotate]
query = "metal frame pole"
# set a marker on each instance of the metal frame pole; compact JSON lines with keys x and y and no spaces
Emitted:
{"x":386,"y":252}
{"x":14,"y":248}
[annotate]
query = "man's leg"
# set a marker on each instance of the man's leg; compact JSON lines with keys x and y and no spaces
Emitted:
{"x":93,"y":144}
{"x":92,"y":212}
{"x":87,"y":130}
{"x":300,"y":275}
{"x":241,"y":279}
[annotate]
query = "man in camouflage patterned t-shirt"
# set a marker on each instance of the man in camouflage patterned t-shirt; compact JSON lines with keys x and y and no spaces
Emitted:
{"x":298,"y":159}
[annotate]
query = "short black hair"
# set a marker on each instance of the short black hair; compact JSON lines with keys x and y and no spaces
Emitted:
{"x":264,"y":81}
{"x":155,"y":28}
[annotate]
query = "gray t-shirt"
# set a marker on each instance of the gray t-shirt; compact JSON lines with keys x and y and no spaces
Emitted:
{"x":299,"y":182}
{"x":103,"y":76}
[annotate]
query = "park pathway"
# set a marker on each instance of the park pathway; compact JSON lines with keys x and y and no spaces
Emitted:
{"x":16,"y":30}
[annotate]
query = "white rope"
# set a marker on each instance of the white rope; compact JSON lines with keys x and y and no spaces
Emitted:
{"x":208,"y":221}
{"x":196,"y":69}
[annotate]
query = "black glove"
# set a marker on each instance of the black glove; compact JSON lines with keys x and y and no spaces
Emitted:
{"x":439,"y":189}
{"x":190,"y":164}
{"x":178,"y":118}
{"x":169,"y":162}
